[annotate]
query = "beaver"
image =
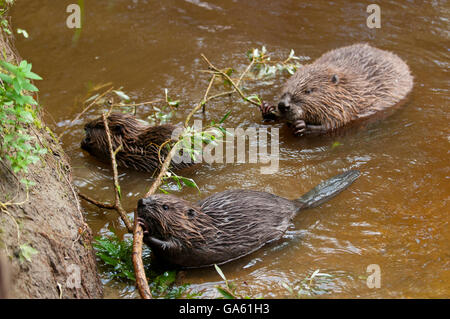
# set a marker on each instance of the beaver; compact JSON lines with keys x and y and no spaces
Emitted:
{"x":140,"y":142}
{"x":226,"y":225}
{"x":342,"y":86}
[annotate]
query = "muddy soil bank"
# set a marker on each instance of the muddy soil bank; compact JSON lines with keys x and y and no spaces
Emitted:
{"x":45,"y":243}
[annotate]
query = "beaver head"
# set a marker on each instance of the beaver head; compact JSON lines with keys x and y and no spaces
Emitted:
{"x":124,"y":129}
{"x":168,"y":217}
{"x":316,"y":93}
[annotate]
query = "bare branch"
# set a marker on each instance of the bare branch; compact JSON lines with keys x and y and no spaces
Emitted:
{"x":227,"y":77}
{"x":139,"y":271}
{"x":97,"y":203}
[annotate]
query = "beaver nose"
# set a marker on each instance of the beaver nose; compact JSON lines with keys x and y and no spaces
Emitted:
{"x":283,"y":106}
{"x":144,"y":202}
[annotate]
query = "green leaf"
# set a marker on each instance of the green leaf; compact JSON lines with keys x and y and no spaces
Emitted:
{"x":130,"y":275}
{"x":23,"y":64}
{"x":119,"y":191}
{"x":229,"y":71}
{"x":167,"y":278}
{"x":25,"y":116}
{"x":255,"y":97}
{"x":291,"y":54}
{"x":225,"y":293}
{"x":177,"y":180}
{"x":27,"y":182}
{"x":26,"y":253}
{"x":32,"y":75}
{"x":189,"y":182}
{"x":173,"y":103}
{"x":108,"y":260}
{"x":290,"y":69}
{"x":224,"y":131}
{"x":122,"y":95}
{"x":8,"y":66}
{"x":30,"y":87}
{"x":219,"y":271}
{"x":23,"y":32}
{"x":263,"y":50}
{"x":225,"y":117}
{"x":6,"y":78}
{"x":16,"y":85}
{"x":164,"y":191}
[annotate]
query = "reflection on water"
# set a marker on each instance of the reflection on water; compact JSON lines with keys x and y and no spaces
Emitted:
{"x":395,"y":215}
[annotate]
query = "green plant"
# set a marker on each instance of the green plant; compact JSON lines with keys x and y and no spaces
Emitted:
{"x":5,"y":26}
{"x":191,"y":142}
{"x":17,"y":113}
{"x":163,"y":286}
{"x":4,"y":23}
{"x":229,"y":291}
{"x":116,"y":256}
{"x":26,"y":253}
{"x":163,"y":114}
{"x":264,"y":67}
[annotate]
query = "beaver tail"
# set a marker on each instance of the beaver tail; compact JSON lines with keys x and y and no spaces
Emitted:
{"x":327,"y":189}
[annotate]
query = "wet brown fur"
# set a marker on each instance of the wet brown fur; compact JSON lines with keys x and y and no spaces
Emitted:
{"x":140,"y":142}
{"x":344,"y":85}
{"x":226,"y":225}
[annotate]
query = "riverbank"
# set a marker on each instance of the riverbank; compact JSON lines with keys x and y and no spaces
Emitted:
{"x":43,"y":233}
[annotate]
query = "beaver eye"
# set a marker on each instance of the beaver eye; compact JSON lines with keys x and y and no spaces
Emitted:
{"x":308,"y":91}
{"x":165,"y":207}
{"x":191,"y":213}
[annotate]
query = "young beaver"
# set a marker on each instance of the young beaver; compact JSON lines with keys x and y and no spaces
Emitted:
{"x":140,"y":142}
{"x":341,"y":86}
{"x":227,"y":225}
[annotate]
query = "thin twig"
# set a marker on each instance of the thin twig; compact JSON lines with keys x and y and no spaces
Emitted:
{"x":234,"y":85}
{"x":202,"y":102}
{"x":139,"y":104}
{"x":86,"y":109}
{"x":97,"y":203}
{"x":162,"y":172}
{"x":245,"y":72}
{"x":117,"y":204}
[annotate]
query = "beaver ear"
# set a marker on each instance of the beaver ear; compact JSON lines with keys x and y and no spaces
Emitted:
{"x":191,"y":213}
{"x":335,"y":79}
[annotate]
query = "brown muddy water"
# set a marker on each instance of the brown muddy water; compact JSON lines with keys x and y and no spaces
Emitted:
{"x":396,"y":215}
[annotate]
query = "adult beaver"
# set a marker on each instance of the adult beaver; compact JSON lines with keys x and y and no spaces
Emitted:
{"x":140,"y":142}
{"x":341,"y":86}
{"x":227,"y":225}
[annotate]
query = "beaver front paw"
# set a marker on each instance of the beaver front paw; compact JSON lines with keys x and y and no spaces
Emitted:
{"x":268,"y":111}
{"x":141,"y":222}
{"x":299,"y":127}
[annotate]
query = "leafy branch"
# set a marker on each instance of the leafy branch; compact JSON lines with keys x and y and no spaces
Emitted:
{"x":183,"y":143}
{"x":16,"y":115}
